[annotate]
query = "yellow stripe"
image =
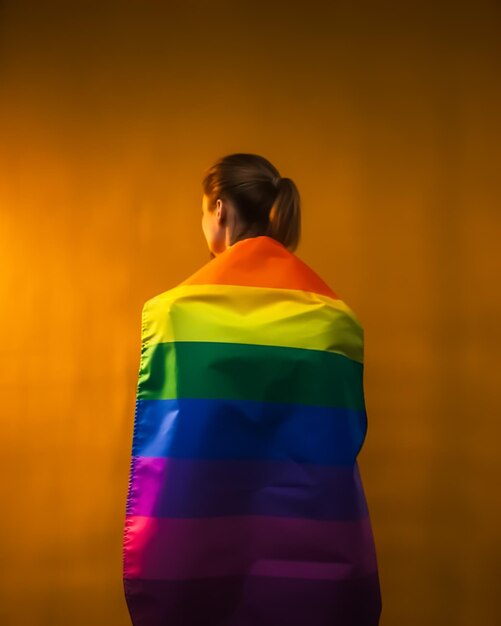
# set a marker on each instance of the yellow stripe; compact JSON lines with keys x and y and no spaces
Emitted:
{"x":254,"y":315}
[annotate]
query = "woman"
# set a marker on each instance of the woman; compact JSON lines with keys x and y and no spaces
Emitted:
{"x":245,"y":505}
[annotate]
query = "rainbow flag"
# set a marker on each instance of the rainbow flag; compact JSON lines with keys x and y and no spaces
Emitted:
{"x":245,"y":504}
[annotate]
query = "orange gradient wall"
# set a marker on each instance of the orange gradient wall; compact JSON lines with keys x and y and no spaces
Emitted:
{"x":387,"y":118}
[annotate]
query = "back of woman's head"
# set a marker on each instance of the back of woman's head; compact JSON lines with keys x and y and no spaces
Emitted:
{"x":266,"y":203}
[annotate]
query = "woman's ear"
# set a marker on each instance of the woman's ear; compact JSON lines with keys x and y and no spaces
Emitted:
{"x":220,"y":211}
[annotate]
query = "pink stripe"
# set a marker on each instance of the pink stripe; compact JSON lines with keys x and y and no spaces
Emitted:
{"x":184,"y":548}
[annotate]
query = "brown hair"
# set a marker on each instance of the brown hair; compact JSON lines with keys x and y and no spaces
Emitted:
{"x":266,"y":203}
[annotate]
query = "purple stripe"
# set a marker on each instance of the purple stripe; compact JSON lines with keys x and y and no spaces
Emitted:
{"x":167,"y":487}
{"x":162,"y":548}
{"x":254,"y":600}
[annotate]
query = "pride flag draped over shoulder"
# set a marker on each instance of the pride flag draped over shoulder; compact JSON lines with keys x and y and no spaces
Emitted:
{"x":245,"y":504}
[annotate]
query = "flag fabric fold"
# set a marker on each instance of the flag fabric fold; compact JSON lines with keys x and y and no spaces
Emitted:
{"x":245,"y":505}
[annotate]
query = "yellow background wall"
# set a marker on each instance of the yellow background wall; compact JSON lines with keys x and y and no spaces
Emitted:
{"x":387,"y":117}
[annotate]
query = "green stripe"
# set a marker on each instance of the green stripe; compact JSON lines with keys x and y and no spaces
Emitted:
{"x":237,"y":371}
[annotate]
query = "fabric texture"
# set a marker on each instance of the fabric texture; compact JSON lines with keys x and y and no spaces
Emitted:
{"x":245,"y":504}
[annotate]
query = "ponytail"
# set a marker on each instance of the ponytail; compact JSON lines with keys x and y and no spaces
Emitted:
{"x":285,"y":215}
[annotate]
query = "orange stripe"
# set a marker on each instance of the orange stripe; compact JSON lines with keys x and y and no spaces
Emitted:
{"x":260,"y":262}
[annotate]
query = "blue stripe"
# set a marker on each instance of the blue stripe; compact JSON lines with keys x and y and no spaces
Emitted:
{"x":243,"y":429}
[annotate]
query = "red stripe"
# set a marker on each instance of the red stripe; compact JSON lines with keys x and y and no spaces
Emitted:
{"x":182,"y":548}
